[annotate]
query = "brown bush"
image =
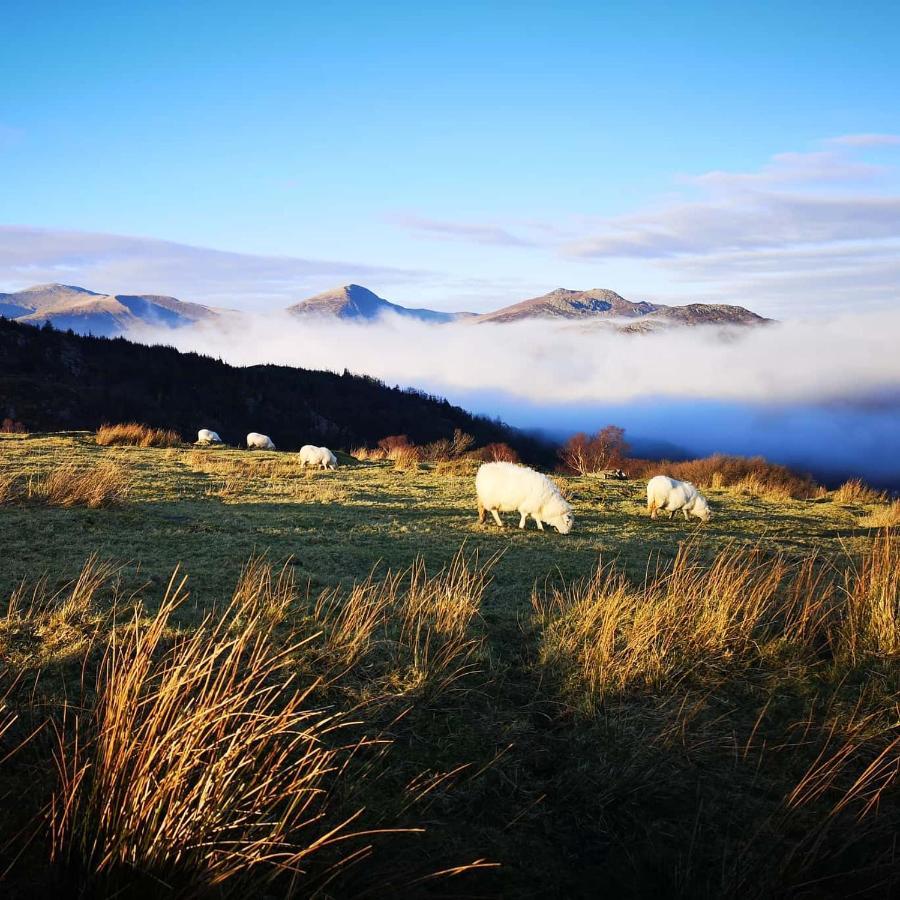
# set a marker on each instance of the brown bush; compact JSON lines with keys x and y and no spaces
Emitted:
{"x":584,"y":454}
{"x":751,"y":474}
{"x":406,"y":459}
{"x":497,"y":453}
{"x":11,"y":426}
{"x":132,"y":434}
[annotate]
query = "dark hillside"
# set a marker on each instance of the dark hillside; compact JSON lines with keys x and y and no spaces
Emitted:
{"x":52,"y":380}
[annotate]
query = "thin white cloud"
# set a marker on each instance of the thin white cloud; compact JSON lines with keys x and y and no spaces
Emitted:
{"x":120,"y":264}
{"x":458,"y":231}
{"x":866,"y":140}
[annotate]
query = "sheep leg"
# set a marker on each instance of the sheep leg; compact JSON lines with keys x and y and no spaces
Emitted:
{"x":522,"y":518}
{"x":652,"y":507}
{"x":497,"y":518}
{"x":481,"y":513}
{"x":540,"y":524}
{"x":686,"y":515}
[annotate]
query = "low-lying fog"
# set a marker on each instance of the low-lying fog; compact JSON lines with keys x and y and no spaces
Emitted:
{"x":818,"y":394}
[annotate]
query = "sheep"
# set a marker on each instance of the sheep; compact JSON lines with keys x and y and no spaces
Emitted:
{"x":505,"y":487}
{"x":205,"y":436}
{"x":316,"y":456}
{"x":259,"y":442}
{"x":670,"y":494}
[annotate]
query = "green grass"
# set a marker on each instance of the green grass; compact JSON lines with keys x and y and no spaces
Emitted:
{"x":680,"y":789}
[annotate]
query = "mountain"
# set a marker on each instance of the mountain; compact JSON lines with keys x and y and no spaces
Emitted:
{"x":598,"y":305}
{"x":52,"y":380}
{"x":86,"y":312}
{"x":353,"y":301}
{"x":565,"y":304}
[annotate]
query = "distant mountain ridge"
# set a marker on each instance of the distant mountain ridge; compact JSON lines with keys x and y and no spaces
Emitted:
{"x":108,"y":315}
{"x":68,"y":306}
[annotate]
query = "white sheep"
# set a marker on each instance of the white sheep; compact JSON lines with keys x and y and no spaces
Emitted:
{"x":505,"y":487}
{"x":671,"y":495}
{"x":316,"y":456}
{"x":259,"y":442}
{"x":205,"y":436}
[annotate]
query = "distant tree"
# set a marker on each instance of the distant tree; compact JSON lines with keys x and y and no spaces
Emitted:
{"x":585,"y":454}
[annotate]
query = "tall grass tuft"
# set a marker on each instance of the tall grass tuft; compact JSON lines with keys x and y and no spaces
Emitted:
{"x":608,"y":636}
{"x":871,"y":619}
{"x":105,"y":484}
{"x":857,"y":491}
{"x":201,"y":763}
{"x":133,"y":434}
{"x":887,"y":516}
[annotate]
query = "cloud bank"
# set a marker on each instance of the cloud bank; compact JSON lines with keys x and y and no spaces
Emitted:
{"x":824,"y":393}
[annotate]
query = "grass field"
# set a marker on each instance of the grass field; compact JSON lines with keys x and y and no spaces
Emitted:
{"x":726,"y":727}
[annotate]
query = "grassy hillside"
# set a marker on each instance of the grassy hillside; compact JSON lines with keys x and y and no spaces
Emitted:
{"x":723,"y":727}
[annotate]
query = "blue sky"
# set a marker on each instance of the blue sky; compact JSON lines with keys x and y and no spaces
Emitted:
{"x":460,"y":155}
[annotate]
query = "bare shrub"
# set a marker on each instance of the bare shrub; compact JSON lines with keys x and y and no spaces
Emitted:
{"x":11,"y":426}
{"x":857,"y":491}
{"x":497,"y":452}
{"x":132,"y":434}
{"x":105,"y":484}
{"x":585,"y":454}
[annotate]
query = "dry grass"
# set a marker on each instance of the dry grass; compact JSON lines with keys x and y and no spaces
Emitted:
{"x":871,"y":621}
{"x":417,"y":628}
{"x":369,"y":454}
{"x":857,"y":491}
{"x":406,"y":459}
{"x":133,"y":434}
{"x":10,"y":488}
{"x":458,"y":467}
{"x":40,"y":624}
{"x":606,"y":636}
{"x":613,"y":637}
{"x":887,"y":516}
{"x":104,"y":484}
{"x":201,"y":764}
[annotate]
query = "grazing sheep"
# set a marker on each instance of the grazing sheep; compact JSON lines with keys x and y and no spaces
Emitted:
{"x":671,"y":495}
{"x":259,"y":442}
{"x":205,"y":436}
{"x":505,"y":486}
{"x":316,"y":456}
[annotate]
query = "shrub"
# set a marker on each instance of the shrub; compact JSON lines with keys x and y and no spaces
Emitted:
{"x":406,"y":458}
{"x":584,"y":454}
{"x":132,"y":434}
{"x":497,"y":452}
{"x":11,"y":426}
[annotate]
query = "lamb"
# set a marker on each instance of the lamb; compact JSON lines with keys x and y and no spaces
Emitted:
{"x":257,"y":441}
{"x":316,"y":456}
{"x":205,"y":436}
{"x":670,"y":494}
{"x":505,"y":487}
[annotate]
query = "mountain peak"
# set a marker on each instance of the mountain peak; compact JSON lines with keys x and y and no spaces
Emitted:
{"x":353,"y":301}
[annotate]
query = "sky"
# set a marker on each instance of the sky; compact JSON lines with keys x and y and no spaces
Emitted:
{"x":460,"y":156}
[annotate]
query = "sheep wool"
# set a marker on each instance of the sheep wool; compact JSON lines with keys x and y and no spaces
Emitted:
{"x":664,"y":493}
{"x":205,"y":436}
{"x":257,"y":441}
{"x":316,"y":456}
{"x":507,"y":487}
